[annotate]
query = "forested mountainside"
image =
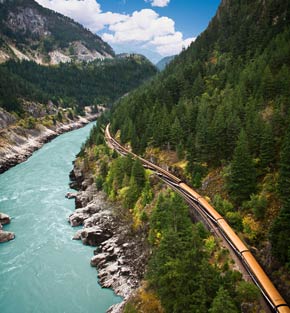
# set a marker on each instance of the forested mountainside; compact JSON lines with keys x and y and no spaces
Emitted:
{"x":48,"y":57}
{"x":30,"y":32}
{"x":71,"y":85}
{"x":219,"y":117}
{"x":224,"y":102}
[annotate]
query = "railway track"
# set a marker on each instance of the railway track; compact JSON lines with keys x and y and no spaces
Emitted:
{"x":217,"y":224}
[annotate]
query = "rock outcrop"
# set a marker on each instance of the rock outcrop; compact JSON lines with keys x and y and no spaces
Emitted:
{"x":121,"y":254}
{"x":6,"y":236}
{"x":4,"y":219}
{"x":29,"y":31}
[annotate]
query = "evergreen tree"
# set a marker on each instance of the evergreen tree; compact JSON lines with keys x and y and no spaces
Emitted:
{"x":280,"y":231}
{"x":223,"y":303}
{"x":138,"y":173}
{"x":284,"y":172}
{"x":267,"y":148}
{"x":242,"y":177}
{"x":175,"y":133}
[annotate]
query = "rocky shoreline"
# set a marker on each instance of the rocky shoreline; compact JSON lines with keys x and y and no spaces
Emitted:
{"x":18,"y":144}
{"x":121,"y":254}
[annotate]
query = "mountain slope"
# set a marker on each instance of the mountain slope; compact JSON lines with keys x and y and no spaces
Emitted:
{"x":70,"y":85}
{"x":227,"y":96}
{"x":30,"y":32}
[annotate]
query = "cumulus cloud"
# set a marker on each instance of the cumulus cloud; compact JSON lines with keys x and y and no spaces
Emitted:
{"x":151,"y":30}
{"x":144,"y":28}
{"x":86,"y":12}
{"x":159,"y":3}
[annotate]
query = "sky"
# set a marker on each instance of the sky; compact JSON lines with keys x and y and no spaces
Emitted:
{"x":155,"y":28}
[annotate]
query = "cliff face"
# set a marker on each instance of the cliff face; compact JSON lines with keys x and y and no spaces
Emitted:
{"x":31,"y":32}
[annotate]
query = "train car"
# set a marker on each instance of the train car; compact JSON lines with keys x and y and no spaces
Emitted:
{"x":214,"y":213}
{"x":234,"y":239}
{"x":190,"y":191}
{"x":265,"y":284}
{"x":199,"y":199}
{"x":283,"y":308}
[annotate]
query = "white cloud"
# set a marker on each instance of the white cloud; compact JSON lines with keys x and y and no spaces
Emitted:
{"x":159,"y":3}
{"x":171,"y":44}
{"x":86,"y":12}
{"x":150,"y":30}
{"x":144,"y":28}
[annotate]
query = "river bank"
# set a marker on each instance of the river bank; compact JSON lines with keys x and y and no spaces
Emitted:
{"x":122,"y":253}
{"x":18,"y":143}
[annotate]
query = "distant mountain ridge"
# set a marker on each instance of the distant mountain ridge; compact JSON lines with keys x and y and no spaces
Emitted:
{"x":30,"y":32}
{"x":161,"y":65}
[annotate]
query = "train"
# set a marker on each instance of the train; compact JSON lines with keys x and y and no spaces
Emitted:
{"x":259,"y":277}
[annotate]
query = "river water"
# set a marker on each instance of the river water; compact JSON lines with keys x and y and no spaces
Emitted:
{"x":43,"y":270}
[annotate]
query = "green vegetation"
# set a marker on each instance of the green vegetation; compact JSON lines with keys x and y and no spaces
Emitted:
{"x":187,"y":270}
{"x":70,"y":85}
{"x":223,"y":105}
{"x":242,"y":178}
{"x":281,"y":228}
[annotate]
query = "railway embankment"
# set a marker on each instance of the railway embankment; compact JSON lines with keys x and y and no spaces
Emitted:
{"x":121,"y":254}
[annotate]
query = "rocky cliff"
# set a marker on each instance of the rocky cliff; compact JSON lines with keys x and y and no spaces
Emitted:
{"x":31,"y":32}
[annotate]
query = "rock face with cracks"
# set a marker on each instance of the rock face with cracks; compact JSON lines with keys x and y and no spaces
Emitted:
{"x":121,"y":254}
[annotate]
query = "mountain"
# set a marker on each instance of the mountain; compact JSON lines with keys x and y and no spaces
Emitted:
{"x":70,"y":85}
{"x":219,"y":113}
{"x":47,"y":57}
{"x":164,"y":62}
{"x":30,"y":32}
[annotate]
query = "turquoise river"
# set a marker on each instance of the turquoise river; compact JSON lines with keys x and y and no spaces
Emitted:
{"x":43,"y":270}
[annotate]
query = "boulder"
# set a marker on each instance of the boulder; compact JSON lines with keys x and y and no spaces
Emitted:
{"x":98,"y":259}
{"x":71,"y":195}
{"x":113,"y":268}
{"x":77,"y":235}
{"x":94,"y":236}
{"x":77,"y":218}
{"x":125,"y":271}
{"x":4,"y":219}
{"x":6,"y":236}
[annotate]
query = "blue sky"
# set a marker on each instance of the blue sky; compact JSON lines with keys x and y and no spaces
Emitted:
{"x":155,"y":28}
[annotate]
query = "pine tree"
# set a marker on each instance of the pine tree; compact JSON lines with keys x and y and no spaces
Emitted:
{"x":138,"y":173}
{"x":284,"y":177}
{"x":223,"y":303}
{"x":175,"y":133}
{"x":268,"y":84}
{"x":267,"y":148}
{"x":242,"y":176}
{"x":280,"y":231}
